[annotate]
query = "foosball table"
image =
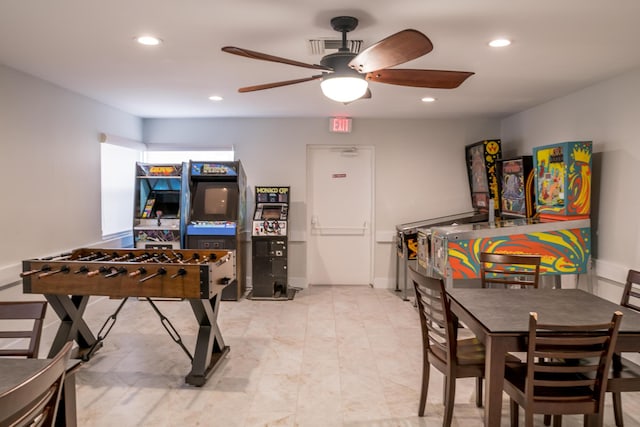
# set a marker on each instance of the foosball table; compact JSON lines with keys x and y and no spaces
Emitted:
{"x":68,"y":280}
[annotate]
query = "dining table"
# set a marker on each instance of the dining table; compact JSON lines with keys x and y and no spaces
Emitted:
{"x":14,"y":371}
{"x":500,"y":319}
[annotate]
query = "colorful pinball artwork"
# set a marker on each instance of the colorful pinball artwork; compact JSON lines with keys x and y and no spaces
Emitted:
{"x":562,"y":251}
{"x":563,"y":180}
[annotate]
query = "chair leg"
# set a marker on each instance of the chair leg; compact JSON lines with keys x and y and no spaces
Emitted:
{"x":617,"y":408}
{"x":547,"y":419}
{"x":513,"y":413}
{"x":426,"y":368}
{"x":528,"y":418}
{"x":449,"y":399}
{"x":557,"y":421}
{"x":479,"y":392}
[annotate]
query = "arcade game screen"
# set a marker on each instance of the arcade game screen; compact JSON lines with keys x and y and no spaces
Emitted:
{"x":167,"y":202}
{"x":271,"y":212}
{"x":214,"y":202}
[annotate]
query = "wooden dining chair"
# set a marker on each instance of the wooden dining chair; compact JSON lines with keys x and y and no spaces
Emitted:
{"x":509,"y":270}
{"x":552,"y":381}
{"x":455,"y":358}
{"x":625,"y":374}
{"x":34,"y":402}
{"x":23,"y":311}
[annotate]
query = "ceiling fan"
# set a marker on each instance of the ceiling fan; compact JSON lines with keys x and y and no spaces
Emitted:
{"x":345,"y":75}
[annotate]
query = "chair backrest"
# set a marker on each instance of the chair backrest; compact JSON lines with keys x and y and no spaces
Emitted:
{"x":569,"y":364}
{"x":509,"y":269}
{"x":23,"y":310}
{"x":631,"y":293}
{"x":34,"y":402}
{"x":437,"y":323}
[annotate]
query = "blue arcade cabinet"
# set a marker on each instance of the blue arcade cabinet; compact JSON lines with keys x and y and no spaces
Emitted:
{"x":216,"y":214}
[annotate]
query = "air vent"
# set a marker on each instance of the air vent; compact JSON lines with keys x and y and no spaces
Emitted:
{"x":327,"y":46}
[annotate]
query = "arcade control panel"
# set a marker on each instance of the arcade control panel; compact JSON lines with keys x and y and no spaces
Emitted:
{"x":269,"y":228}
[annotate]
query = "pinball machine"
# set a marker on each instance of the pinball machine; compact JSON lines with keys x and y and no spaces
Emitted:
{"x":481,"y":159}
{"x":517,"y":191}
{"x":67,"y":281}
{"x":560,"y":233}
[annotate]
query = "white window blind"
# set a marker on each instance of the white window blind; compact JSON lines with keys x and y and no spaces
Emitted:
{"x":118,"y":165}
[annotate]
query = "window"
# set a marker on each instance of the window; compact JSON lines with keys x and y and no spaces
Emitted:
{"x":117,"y":173}
{"x":177,"y":156}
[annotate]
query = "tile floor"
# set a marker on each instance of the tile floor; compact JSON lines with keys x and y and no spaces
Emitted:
{"x":332,"y":356}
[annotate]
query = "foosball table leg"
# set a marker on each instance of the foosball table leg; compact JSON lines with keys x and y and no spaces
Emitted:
{"x":72,"y":325}
{"x":210,"y":348}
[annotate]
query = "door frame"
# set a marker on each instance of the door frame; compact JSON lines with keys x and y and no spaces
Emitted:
{"x":371,"y":218}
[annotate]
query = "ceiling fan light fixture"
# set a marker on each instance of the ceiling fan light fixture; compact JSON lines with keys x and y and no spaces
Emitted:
{"x":343,"y":89}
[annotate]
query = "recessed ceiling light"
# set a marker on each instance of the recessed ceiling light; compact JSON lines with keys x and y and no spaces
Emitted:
{"x":148,"y":40}
{"x":428,"y":99}
{"x":216,"y":98}
{"x":499,"y":43}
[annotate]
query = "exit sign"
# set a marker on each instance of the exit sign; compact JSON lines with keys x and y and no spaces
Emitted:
{"x":340,"y":124}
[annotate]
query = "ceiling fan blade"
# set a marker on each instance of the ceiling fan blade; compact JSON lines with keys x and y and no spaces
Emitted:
{"x":367,"y":95}
{"x":435,"y":79}
{"x":264,"y":57}
{"x":394,"y":50}
{"x":278,"y":84}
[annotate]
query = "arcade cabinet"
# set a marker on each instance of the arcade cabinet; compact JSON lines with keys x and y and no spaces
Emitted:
{"x":269,"y":245}
{"x":517,"y":191}
{"x":217,"y":198}
{"x":483,"y":176}
{"x":157,"y":206}
{"x":563,"y":180}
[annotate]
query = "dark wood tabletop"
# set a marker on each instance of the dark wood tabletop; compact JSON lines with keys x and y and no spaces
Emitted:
{"x":507,"y":310}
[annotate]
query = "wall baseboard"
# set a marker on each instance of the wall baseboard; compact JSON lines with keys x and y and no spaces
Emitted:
{"x":611,"y":271}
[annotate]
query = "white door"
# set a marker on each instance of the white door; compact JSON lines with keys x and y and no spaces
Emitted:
{"x":340,"y":215}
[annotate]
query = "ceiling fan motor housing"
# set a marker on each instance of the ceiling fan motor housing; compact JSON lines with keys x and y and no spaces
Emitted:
{"x":339,"y":62}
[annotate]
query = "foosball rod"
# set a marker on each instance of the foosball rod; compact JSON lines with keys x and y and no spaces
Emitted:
{"x":63,"y":269}
{"x":161,"y":271}
{"x":45,"y":267}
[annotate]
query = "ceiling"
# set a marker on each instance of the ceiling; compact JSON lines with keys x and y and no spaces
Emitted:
{"x":87,"y":46}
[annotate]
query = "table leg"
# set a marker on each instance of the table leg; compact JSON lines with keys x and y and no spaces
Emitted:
{"x":72,"y":326}
{"x":210,"y":348}
{"x":494,"y":378}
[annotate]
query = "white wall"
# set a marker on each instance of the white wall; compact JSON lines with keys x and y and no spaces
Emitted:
{"x":420,"y":167}
{"x":608,"y":114}
{"x":50,"y":168}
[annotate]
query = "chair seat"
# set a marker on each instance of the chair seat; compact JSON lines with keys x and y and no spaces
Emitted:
{"x":470,"y":352}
